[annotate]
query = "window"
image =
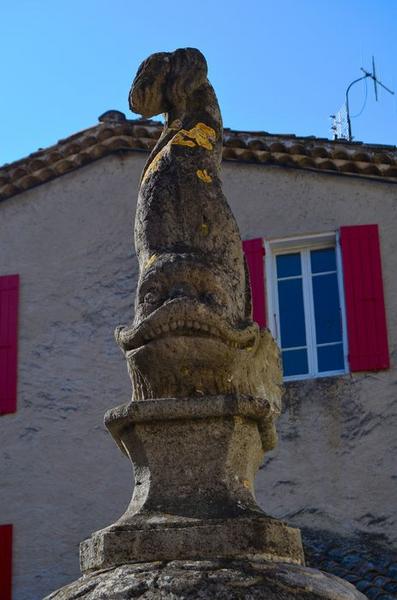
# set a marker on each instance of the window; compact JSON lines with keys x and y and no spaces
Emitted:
{"x":306,"y":316}
{"x":306,"y":293}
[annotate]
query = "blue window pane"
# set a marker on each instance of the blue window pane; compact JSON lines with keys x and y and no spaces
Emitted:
{"x":295,"y":362}
{"x":288,"y":265}
{"x":330,"y":358}
{"x":326,"y":309}
{"x":323,"y":260}
{"x":292,"y":318}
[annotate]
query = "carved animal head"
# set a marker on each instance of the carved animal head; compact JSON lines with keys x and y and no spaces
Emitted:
{"x":165,"y":81}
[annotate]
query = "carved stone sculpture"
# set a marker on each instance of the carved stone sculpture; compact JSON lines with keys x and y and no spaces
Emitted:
{"x":205,"y":379}
{"x":193,"y":304}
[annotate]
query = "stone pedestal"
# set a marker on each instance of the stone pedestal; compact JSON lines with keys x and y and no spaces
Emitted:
{"x":193,"y":528}
{"x":195,"y":461}
{"x":212,"y":580}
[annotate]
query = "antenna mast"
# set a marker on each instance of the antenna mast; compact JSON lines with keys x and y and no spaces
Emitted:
{"x":336,"y":127}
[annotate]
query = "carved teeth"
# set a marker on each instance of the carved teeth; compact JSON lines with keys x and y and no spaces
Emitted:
{"x":238,"y":341}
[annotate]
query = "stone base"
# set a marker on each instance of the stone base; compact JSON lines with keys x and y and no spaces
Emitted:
{"x":194,"y":461}
{"x":260,"y":537}
{"x":220,"y":580}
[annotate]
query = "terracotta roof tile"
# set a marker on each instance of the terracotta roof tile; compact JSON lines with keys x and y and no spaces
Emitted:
{"x":384,"y":158}
{"x":319,"y":152}
{"x":298,"y":149}
{"x":285,"y":159}
{"x":390,"y":172}
{"x":371,"y":568}
{"x":340,"y":153}
{"x":277,"y":147}
{"x":257,"y":145}
{"x":347,"y":166}
{"x":327,"y":164}
{"x":306,"y":162}
{"x":370,"y":169}
{"x":361,"y":156}
{"x":115,"y":133}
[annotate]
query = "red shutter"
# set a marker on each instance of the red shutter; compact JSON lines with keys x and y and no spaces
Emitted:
{"x":365,"y":306}
{"x":5,"y":562}
{"x":254,"y":253}
{"x":9,"y":292}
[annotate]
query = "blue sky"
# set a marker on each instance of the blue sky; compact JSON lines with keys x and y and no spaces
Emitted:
{"x":281,"y":67}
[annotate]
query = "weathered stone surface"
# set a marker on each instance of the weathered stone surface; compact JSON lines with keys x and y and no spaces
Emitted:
{"x":195,"y":454}
{"x":262,"y":537}
{"x":193,"y":305}
{"x":258,"y":410}
{"x":194,"y":461}
{"x":224,"y":580}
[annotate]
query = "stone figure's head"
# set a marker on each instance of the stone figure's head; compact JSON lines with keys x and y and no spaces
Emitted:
{"x":193,"y":335}
{"x":165,"y":80}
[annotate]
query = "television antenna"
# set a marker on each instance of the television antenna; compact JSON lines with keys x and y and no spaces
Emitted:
{"x":341,"y":125}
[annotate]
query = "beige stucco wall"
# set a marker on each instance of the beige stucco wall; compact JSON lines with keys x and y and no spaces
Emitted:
{"x":61,"y":475}
{"x":335,"y":465}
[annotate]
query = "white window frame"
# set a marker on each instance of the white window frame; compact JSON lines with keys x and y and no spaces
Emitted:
{"x":304,"y":244}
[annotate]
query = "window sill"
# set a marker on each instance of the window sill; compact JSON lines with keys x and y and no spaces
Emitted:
{"x":317,"y":376}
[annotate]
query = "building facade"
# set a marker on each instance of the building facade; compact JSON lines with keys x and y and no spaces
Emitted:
{"x":320,"y":220}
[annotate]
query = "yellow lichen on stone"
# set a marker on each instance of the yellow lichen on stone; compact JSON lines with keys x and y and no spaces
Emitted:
{"x":205,"y":136}
{"x":204,"y":229}
{"x":180,"y":139}
{"x":155,"y":163}
{"x":150,"y":261}
{"x":200,"y":135}
{"x":203,"y":175}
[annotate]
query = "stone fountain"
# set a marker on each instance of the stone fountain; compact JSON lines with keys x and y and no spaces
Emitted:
{"x":206,"y":383}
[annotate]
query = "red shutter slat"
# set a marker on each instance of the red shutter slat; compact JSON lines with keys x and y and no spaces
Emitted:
{"x":365,"y":305}
{"x":5,"y":562}
{"x":254,"y":253}
{"x":9,"y":296}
